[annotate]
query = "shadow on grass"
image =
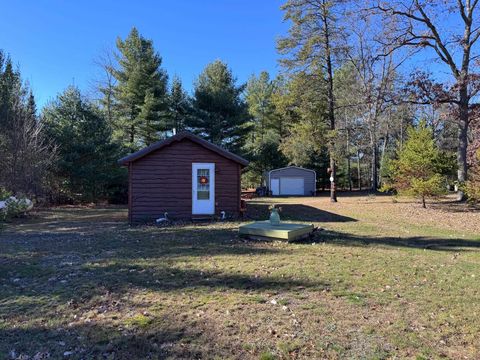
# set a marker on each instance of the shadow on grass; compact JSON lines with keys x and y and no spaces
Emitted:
{"x":92,"y":281}
{"x":295,"y":212}
{"x":419,"y":242}
{"x":127,"y":243}
{"x":81,"y":266}
{"x":353,"y":193}
{"x":455,"y":207}
{"x":164,"y":337}
{"x":165,"y":279}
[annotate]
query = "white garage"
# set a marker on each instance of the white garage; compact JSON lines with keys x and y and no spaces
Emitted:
{"x":292,"y":180}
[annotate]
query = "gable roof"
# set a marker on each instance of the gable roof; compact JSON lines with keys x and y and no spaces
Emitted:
{"x":179,"y":137}
{"x":294,"y":167}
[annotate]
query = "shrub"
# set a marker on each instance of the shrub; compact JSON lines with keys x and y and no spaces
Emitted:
{"x":472,"y":186}
{"x":12,"y":206}
{"x":472,"y":190}
{"x":416,"y":171}
{"x":4,"y":194}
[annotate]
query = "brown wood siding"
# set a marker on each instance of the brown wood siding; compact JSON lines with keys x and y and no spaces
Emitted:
{"x":162,"y":182}
{"x":130,"y":165}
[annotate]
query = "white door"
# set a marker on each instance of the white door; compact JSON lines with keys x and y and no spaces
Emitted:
{"x":275,"y":186}
{"x":203,"y":188}
{"x":292,"y":186}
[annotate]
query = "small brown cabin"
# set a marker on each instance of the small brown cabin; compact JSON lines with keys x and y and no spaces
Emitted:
{"x":184,"y":176}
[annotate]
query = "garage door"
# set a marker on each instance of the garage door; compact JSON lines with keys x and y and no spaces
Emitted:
{"x":292,"y":186}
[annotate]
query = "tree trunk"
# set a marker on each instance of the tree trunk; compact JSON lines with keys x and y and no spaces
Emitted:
{"x":349,"y":172}
{"x":462,"y":141}
{"x":333,"y":174}
{"x":374,"y":171}
{"x":382,"y":159}
{"x":424,"y":204}
{"x":401,"y":135}
{"x":331,"y":104}
{"x":359,"y":172}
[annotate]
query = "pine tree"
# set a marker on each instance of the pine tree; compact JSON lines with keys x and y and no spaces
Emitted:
{"x":417,"y":171}
{"x":180,"y":106}
{"x":149,"y":127}
{"x":11,"y":93}
{"x":25,"y":154}
{"x":305,"y":134}
{"x":314,"y":43}
{"x":140,"y":93}
{"x":87,"y":167}
{"x":220,"y":113}
{"x":259,"y":95}
{"x":31,"y":107}
{"x":263,"y":140}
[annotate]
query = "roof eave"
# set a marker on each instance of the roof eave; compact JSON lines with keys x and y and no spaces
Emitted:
{"x":179,"y":137}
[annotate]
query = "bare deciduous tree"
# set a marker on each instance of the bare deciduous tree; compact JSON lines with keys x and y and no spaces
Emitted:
{"x":376,"y":77}
{"x":105,"y":85}
{"x":449,"y":29}
{"x":28,"y":154}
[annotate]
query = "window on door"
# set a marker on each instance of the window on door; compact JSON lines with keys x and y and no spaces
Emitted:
{"x":203,"y":184}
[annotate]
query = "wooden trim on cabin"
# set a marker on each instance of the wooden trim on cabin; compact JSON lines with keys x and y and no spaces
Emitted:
{"x":239,"y":187}
{"x":130,"y":165}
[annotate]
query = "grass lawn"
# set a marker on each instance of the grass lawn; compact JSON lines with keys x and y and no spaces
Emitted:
{"x":385,"y":280}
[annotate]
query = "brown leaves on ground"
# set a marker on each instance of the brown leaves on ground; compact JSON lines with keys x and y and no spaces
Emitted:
{"x":384,"y":280}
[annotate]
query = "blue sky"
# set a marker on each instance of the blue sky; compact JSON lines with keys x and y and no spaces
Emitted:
{"x":55,"y":42}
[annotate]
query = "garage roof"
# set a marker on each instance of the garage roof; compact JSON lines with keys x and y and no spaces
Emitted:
{"x":294,"y":167}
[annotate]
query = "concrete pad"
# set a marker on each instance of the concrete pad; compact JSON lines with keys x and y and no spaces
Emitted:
{"x":286,"y":231}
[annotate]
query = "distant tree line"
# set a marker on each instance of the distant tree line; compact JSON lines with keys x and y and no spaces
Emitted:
{"x":27,"y":154}
{"x":342,"y":105}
